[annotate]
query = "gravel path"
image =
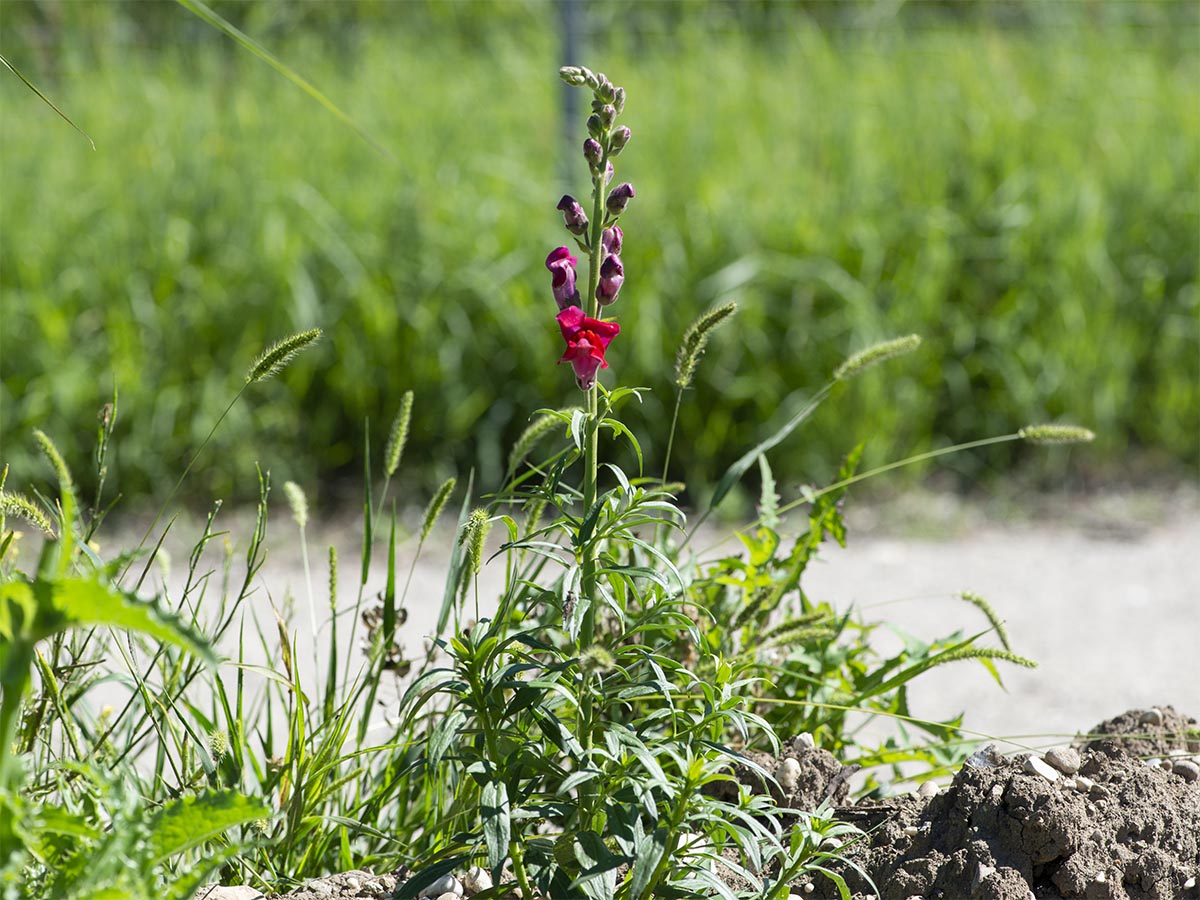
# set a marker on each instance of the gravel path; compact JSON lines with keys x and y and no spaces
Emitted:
{"x":1103,"y":591}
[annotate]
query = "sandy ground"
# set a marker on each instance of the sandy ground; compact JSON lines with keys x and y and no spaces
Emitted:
{"x":1103,"y":591}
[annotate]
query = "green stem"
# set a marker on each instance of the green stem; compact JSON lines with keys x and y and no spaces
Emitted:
{"x":592,"y":435}
{"x":920,"y":457}
{"x":178,"y":484}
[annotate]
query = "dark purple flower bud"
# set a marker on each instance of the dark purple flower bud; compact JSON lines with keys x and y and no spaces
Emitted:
{"x":618,"y":198}
{"x":612,"y":273}
{"x":611,"y":239}
{"x":607,"y":114}
{"x":561,"y":264}
{"x":573,"y":215}
{"x":618,"y":140}
{"x":593,"y":152}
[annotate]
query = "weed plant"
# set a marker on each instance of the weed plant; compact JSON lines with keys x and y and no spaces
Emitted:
{"x":1022,"y":197}
{"x":585,"y":733}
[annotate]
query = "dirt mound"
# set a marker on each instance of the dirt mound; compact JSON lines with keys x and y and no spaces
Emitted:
{"x":1159,"y":731}
{"x":1096,"y":822}
{"x":1115,"y":817}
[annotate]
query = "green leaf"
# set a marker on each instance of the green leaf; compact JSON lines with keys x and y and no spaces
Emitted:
{"x":443,"y":735}
{"x":497,"y":822}
{"x":190,"y":821}
{"x":734,"y":473}
{"x":650,"y":850}
{"x":34,"y":611}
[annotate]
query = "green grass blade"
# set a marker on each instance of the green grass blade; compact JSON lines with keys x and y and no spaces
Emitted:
{"x":215,"y":20}
{"x":46,"y":99}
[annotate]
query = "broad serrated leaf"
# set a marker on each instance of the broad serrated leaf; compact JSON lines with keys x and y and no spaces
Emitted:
{"x":190,"y":821}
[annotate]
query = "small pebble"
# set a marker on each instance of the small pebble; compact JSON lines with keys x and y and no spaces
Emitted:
{"x":1190,"y":883}
{"x":912,"y":830}
{"x":928,"y":789}
{"x":787,"y":773}
{"x":1083,"y":783}
{"x":808,"y":888}
{"x":1152,"y":717}
{"x":447,"y":884}
{"x":1186,"y":769}
{"x":476,"y":880}
{"x":997,"y":791}
{"x":832,"y":843}
{"x":982,"y":874}
{"x":1168,"y":765}
{"x":1101,"y":878}
{"x":1068,"y":784}
{"x":1065,"y":759}
{"x":806,"y":741}
{"x":449,"y":895}
{"x":1038,"y":766}
{"x":1098,"y":790}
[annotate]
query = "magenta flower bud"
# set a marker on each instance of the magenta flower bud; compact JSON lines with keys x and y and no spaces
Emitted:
{"x":611,"y":239}
{"x":593,"y":152}
{"x":612,"y":273}
{"x":620,"y":137}
{"x":619,"y":198}
{"x":561,"y":264}
{"x":573,"y":215}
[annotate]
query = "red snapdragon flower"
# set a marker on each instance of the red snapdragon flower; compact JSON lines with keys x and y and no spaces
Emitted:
{"x":587,"y":339}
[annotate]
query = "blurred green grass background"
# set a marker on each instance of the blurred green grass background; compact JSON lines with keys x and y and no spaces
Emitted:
{"x":1018,"y":185}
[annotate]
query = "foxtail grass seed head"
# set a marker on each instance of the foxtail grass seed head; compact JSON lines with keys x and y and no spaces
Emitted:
{"x":875,"y":354}
{"x":435,"y":507}
{"x":596,"y":659}
{"x":534,"y":432}
{"x":56,"y":460}
{"x":986,"y":608}
{"x":298,"y":502}
{"x":18,"y":506}
{"x":474,"y":536}
{"x":218,"y":745}
{"x":398,"y":436}
{"x":574,"y":217}
{"x":695,"y":339}
{"x":1056,"y":434}
{"x":276,"y":358}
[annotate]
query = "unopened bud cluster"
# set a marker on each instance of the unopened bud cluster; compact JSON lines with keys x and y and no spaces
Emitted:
{"x":588,"y":338}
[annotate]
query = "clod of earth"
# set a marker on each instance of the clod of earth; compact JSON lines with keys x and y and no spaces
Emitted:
{"x":1094,"y":821}
{"x":1090,"y":821}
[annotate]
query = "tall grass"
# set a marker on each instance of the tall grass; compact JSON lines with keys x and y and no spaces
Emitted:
{"x":1026,"y":200}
